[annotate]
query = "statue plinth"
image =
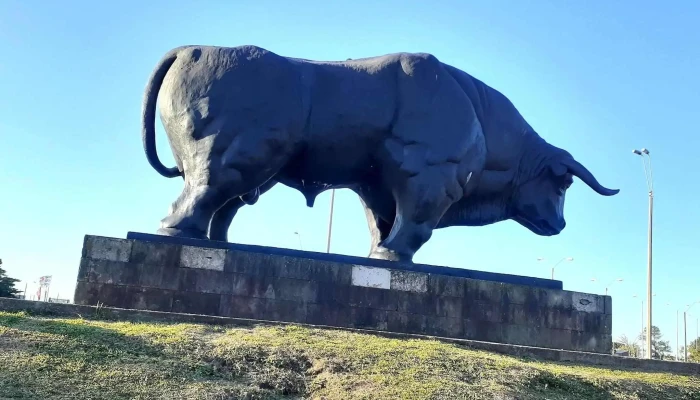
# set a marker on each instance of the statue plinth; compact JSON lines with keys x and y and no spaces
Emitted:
{"x":170,"y":274}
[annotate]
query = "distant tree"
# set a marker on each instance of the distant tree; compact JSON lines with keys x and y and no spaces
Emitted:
{"x":693,"y":351}
{"x":660,"y":349}
{"x":7,"y":284}
{"x":623,"y":344}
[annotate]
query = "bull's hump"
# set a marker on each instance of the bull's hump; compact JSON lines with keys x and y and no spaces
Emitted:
{"x":373,"y":63}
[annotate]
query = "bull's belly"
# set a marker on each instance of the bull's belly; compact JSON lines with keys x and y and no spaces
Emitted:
{"x":334,"y":168}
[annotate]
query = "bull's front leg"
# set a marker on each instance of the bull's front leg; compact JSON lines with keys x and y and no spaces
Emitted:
{"x":378,"y":230}
{"x":420,"y":203}
{"x":380,"y":210}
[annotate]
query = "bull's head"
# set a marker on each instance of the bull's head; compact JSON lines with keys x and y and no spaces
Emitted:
{"x":538,"y":204}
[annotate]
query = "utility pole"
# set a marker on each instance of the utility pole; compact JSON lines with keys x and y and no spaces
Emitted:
{"x":650,"y":186}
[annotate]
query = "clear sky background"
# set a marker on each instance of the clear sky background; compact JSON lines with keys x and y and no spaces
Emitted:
{"x":595,"y":78}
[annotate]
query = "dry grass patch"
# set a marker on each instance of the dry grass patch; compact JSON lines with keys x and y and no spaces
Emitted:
{"x":76,"y":358}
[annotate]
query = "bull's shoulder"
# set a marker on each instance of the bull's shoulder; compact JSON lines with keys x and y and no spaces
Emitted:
{"x":415,"y":64}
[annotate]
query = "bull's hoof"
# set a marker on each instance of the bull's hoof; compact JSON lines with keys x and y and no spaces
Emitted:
{"x":389,"y":255}
{"x":182,"y":233}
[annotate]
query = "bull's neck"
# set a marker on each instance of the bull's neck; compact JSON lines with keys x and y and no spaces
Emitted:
{"x":492,"y":200}
{"x":477,"y":211}
{"x":536,"y":155}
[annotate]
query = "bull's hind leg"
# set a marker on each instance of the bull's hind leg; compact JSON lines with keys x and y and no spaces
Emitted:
{"x":251,"y":160}
{"x":223,"y":217}
{"x":221,"y":221}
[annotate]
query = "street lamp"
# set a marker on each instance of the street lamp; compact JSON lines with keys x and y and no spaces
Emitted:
{"x":299,"y":235}
{"x":678,"y":351}
{"x":650,"y":186}
{"x":611,"y":283}
{"x":558,"y":262}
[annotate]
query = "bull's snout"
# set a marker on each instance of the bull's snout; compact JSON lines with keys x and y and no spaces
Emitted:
{"x":542,"y":227}
{"x":555,"y":228}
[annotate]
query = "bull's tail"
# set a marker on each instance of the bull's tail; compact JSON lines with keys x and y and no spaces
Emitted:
{"x":148,"y":116}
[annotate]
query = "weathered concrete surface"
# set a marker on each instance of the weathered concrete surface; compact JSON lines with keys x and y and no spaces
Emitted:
{"x":574,"y":357}
{"x":173,"y":277}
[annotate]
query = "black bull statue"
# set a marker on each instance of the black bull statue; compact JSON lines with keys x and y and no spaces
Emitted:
{"x":423,"y":144}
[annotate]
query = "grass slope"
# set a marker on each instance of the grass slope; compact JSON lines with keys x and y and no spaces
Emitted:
{"x":90,"y":359}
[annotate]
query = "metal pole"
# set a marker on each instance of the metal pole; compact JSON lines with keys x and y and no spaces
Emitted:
{"x":649,"y":295}
{"x":641,"y":333}
{"x":330,"y":222}
{"x":685,"y":338}
{"x":299,"y":237}
{"x":559,"y":262}
{"x":677,"y":349}
{"x":648,"y":173}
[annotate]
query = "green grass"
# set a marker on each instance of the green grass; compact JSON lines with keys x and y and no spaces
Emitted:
{"x":51,"y":358}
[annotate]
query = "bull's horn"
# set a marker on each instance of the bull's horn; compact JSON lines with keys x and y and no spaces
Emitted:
{"x":587,"y":177}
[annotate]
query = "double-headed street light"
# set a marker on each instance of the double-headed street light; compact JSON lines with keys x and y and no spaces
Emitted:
{"x":650,"y":185}
{"x":558,"y":262}
{"x":609,"y":284}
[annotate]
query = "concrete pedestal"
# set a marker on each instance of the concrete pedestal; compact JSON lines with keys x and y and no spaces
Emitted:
{"x":158,"y":273}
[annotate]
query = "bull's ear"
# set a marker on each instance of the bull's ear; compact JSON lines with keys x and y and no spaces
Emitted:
{"x":558,"y":169}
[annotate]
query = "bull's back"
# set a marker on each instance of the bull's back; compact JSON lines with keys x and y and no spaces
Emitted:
{"x":241,"y":86}
{"x":352,"y":97}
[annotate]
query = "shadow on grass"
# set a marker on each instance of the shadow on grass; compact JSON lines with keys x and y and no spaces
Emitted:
{"x":77,"y":339}
{"x":160,"y":349}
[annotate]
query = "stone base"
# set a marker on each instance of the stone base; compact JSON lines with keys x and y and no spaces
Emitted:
{"x":159,"y":273}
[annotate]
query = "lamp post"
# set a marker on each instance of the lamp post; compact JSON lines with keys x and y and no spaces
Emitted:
{"x":557,"y":263}
{"x":650,"y":186}
{"x":299,"y":235}
{"x":610,"y":284}
{"x":678,"y":351}
{"x":330,"y":222}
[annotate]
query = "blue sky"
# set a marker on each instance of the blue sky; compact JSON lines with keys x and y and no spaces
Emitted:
{"x":597,"y":79}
